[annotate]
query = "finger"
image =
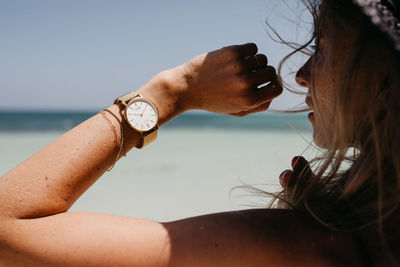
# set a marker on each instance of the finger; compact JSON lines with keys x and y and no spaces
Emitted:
{"x":244,"y":66}
{"x":262,"y":75}
{"x":268,"y":92}
{"x":246,"y":50}
{"x":256,"y":62}
{"x":301,"y":166}
{"x":299,"y":163}
{"x":258,"y":96}
{"x":260,"y":108}
{"x":285,"y":178}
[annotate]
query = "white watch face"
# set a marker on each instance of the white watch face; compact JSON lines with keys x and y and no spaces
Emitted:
{"x":141,"y":115}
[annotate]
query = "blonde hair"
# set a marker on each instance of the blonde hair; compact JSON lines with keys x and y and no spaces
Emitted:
{"x":356,"y":186}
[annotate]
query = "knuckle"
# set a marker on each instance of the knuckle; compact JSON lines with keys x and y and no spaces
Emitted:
{"x":252,"y":48}
{"x":262,"y":59}
{"x":270,"y":70}
{"x":237,"y":67}
{"x":231,"y":52}
{"x":245,"y":82}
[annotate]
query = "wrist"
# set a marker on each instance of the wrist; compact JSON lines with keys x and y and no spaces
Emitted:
{"x":130,"y":137}
{"x":181,"y":82}
{"x":166,"y":90}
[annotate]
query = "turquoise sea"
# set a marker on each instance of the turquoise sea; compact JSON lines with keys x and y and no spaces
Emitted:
{"x":61,"y":121}
{"x":193,"y":168}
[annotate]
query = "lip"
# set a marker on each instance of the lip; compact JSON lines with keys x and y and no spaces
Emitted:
{"x":310,"y":115}
{"x":309,"y":102}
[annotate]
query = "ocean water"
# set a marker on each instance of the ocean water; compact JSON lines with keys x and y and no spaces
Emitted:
{"x":194,"y":167}
{"x":61,"y":121}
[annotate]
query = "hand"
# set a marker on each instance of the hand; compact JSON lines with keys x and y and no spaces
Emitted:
{"x":141,"y":115}
{"x":226,"y":80}
{"x":290,"y":178}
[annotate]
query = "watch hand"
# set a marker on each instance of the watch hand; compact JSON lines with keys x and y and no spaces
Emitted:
{"x":144,"y":110}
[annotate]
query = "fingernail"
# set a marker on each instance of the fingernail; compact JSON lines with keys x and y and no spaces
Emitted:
{"x":294,"y":161}
{"x":285,"y":177}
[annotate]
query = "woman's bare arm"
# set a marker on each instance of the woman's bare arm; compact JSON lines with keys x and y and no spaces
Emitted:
{"x":34,"y":196}
{"x":242,"y":238}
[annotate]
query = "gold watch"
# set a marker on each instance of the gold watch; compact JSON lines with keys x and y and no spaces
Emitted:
{"x":142,"y":115}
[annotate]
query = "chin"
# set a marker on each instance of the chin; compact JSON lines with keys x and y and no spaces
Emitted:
{"x":320,"y":141}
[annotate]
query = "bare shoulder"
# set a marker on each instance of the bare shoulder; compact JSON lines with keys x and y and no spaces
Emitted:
{"x":259,"y":237}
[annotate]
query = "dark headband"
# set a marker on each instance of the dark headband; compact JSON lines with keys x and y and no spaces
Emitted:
{"x":385,"y":15}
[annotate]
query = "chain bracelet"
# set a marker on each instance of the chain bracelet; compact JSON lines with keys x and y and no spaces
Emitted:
{"x":121,"y":142}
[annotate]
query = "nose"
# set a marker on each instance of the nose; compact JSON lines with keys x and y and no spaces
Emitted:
{"x":303,"y":75}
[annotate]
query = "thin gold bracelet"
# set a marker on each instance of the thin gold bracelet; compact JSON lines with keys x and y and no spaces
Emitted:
{"x":121,"y":142}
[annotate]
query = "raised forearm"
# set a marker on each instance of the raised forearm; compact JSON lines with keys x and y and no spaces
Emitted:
{"x":52,"y":179}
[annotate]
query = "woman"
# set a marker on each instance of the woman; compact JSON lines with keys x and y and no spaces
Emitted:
{"x":353,"y":87}
{"x":340,"y":215}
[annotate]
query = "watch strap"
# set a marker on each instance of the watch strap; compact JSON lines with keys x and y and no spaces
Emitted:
{"x":147,"y":138}
{"x":126,"y":98}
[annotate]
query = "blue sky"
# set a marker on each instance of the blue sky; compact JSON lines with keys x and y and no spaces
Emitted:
{"x":81,"y":54}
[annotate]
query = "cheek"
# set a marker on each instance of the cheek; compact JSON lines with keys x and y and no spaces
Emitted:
{"x":325,"y":95}
{"x":323,"y":127}
{"x":327,"y":74}
{"x":324,"y":111}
